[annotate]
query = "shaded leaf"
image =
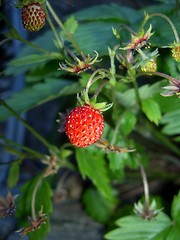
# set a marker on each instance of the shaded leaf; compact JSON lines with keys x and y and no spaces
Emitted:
{"x":128,"y":122}
{"x":33,"y":58}
{"x":109,"y":12}
{"x":174,"y":232}
{"x":171,"y":122}
{"x":97,"y":206}
{"x":97,"y":36}
{"x":152,"y":110}
{"x":71,"y":25}
{"x":128,"y":98}
{"x":38,"y":94}
{"x":175,"y":208}
{"x":13,"y":174}
{"x":92,"y":164}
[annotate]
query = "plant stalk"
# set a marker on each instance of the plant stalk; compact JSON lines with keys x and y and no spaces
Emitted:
{"x":37,"y":135}
{"x":69,"y":36}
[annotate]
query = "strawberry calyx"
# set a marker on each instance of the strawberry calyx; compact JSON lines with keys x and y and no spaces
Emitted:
{"x":22,"y":3}
{"x":84,"y":99}
{"x":147,"y":62}
{"x":176,"y":51}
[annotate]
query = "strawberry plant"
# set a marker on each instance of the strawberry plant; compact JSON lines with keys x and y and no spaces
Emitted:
{"x":121,"y":124}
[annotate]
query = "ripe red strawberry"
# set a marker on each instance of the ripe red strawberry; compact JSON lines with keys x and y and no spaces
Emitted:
{"x":84,"y":126}
{"x":33,"y":17}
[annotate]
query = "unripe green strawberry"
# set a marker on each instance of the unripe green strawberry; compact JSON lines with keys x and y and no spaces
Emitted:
{"x":33,"y":17}
{"x":176,"y":53}
{"x":149,"y":66}
{"x":84,"y":126}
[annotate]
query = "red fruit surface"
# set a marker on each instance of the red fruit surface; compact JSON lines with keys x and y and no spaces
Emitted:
{"x":84,"y":126}
{"x":33,"y":17}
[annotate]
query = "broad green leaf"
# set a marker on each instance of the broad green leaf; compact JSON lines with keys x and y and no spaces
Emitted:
{"x":97,"y":206}
{"x":174,"y":232}
{"x":175,"y":208}
{"x":92,"y":164}
{"x":71,"y":25}
{"x":38,"y":94}
{"x":44,"y":71}
{"x":95,"y":36}
{"x":171,"y":122}
{"x":167,"y":104}
{"x":109,"y":12}
{"x":33,"y":58}
{"x":116,"y":163}
{"x":128,"y":98}
{"x":43,"y":199}
{"x":136,"y":228}
{"x":13,"y":174}
{"x":128,"y":122}
{"x":152,"y":110}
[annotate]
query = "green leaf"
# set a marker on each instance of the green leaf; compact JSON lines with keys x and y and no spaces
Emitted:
{"x":92,"y":164}
{"x":128,"y":122}
{"x":38,"y":94}
{"x":128,"y":98}
{"x":171,"y":122}
{"x":97,"y":206}
{"x":116,"y":163}
{"x":109,"y":12}
{"x":71,"y":25}
{"x":91,"y":36}
{"x":33,"y":58}
{"x":175,"y":208}
{"x":43,"y":199}
{"x":136,"y":228}
{"x":167,"y":104}
{"x":174,"y":232}
{"x":152,"y":110}
{"x":13,"y":174}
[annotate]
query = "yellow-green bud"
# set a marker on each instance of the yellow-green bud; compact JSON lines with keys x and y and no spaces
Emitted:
{"x":176,"y":53}
{"x":149,"y":66}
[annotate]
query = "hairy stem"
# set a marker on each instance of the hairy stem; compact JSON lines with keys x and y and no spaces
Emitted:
{"x":168,"y":20}
{"x":145,"y":185}
{"x":54,"y":31}
{"x":33,"y":202}
{"x":69,"y":36}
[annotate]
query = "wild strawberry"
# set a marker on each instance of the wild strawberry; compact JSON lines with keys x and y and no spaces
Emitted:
{"x":33,"y":17}
{"x":149,"y":66}
{"x":176,"y":53}
{"x":84,"y":125}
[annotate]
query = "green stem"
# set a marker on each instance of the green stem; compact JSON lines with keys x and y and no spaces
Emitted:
{"x":136,"y":89}
{"x":115,"y":132}
{"x":8,"y":143}
{"x":112,"y":79}
{"x":99,"y":89}
{"x":54,"y":31}
{"x":37,"y":135}
{"x":33,"y":201}
{"x":69,"y":36}
{"x":102,"y":74}
{"x":168,"y":20}
{"x":145,"y":185}
{"x":34,"y":46}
